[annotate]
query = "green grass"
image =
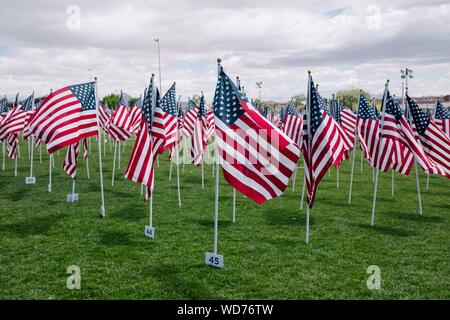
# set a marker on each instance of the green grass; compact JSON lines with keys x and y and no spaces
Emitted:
{"x":265,"y":254}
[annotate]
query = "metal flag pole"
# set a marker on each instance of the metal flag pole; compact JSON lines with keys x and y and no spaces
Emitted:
{"x":308,"y":128}
{"x":50,"y":159}
{"x":102,"y":208}
{"x":213,"y":259}
{"x":31,"y":180}
{"x":114,"y":164}
{"x":372,"y":221}
{"x":234,"y":205}
{"x":303,"y":191}
{"x":87,"y":158}
{"x":354,"y":156}
{"x":4,"y":155}
{"x":177,"y":155}
{"x":73,"y":190}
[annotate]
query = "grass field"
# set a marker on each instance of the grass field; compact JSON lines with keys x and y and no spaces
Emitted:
{"x":265,"y":255}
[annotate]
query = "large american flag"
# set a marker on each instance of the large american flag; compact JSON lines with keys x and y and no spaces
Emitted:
{"x":368,"y":125}
{"x":66,"y":116}
{"x":16,"y":119}
{"x":199,"y":136}
{"x":189,"y":119}
{"x":435,"y":142}
{"x":119,"y":128}
{"x":257,"y":158}
{"x":323,"y":145}
{"x":180,"y":128}
{"x":165,"y":120}
{"x":442,"y":118}
{"x":140,"y":167}
{"x":293,"y":124}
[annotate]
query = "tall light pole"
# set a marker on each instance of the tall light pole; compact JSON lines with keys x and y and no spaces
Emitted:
{"x":159,"y":63}
{"x":405,"y":74}
{"x":259,"y":85}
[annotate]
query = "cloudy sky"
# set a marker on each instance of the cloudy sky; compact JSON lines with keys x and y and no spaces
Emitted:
{"x":346,"y":44}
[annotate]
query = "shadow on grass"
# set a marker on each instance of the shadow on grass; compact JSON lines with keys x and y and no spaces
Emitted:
{"x":397,"y":232}
{"x":209,"y":223}
{"x":18,"y":195}
{"x":129,"y":213}
{"x":412,"y":216}
{"x":33,"y":226}
{"x":174,"y":279}
{"x":285,"y":216}
{"x":114,"y":238}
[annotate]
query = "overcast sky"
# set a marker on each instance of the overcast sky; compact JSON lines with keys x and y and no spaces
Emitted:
{"x":346,"y":44}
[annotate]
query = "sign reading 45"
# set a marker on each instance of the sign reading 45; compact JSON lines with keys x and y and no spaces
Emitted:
{"x":214,"y":260}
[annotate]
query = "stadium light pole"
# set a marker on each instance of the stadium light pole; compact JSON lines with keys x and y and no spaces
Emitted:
{"x":159,"y":65}
{"x":259,"y":86}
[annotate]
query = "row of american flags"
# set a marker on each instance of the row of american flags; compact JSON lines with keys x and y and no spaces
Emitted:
{"x":258,"y":149}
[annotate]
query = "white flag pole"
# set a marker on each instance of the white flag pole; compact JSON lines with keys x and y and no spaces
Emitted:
{"x":308,"y":129}
{"x":114,"y":163}
{"x":102,"y":208}
{"x":15,"y":166}
{"x":234,"y":205}
{"x":177,"y":155}
{"x":354,"y":156}
{"x":294,"y":178}
{"x":73,"y":190}
{"x":303,"y":191}
{"x":379,"y":153}
{"x":50,"y":164}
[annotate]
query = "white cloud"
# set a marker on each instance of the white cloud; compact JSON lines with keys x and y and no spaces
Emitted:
{"x":275,"y":43}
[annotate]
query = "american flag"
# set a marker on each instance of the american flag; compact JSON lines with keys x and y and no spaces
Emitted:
{"x":257,"y":158}
{"x":293,"y":124}
{"x":368,"y":125}
{"x":189,"y":119}
{"x":435,"y":142}
{"x":136,"y":116}
{"x":442,"y":118}
{"x":66,"y":116}
{"x":16,"y":119}
{"x":3,"y":109}
{"x":346,"y":120}
{"x":70,"y":161}
{"x":119,"y":128}
{"x":210,"y":121}
{"x":199,"y":139}
{"x":180,"y":128}
{"x":165,"y":120}
{"x":140,"y":167}
{"x":12,"y":143}
{"x":104,"y":117}
{"x":323,"y":145}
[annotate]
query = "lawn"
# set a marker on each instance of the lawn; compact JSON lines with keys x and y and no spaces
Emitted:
{"x":265,"y":255}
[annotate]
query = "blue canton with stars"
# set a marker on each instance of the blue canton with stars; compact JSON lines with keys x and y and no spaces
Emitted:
{"x":4,"y":105}
{"x":392,"y":107}
{"x":421,"y":119}
{"x":442,"y":112}
{"x":317,"y":107}
{"x":365,"y":111}
{"x":191,"y":105}
{"x":227,"y":100}
{"x":290,"y":110}
{"x":147,"y":107}
{"x":27,"y":104}
{"x":124,"y":99}
{"x":138,"y":103}
{"x":169,"y":103}
{"x":336,"y":109}
{"x":201,"y":109}
{"x":85,"y":93}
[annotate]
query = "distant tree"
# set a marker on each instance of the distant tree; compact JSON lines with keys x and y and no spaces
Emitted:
{"x":299,"y":101}
{"x":349,"y":98}
{"x":132,"y":101}
{"x":111,"y":100}
{"x":196,"y":98}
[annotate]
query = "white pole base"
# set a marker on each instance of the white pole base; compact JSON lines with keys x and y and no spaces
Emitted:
{"x":102,"y":212}
{"x":49,"y":189}
{"x":73,"y":197}
{"x":30,"y":180}
{"x":214,"y":260}
{"x":149,"y":232}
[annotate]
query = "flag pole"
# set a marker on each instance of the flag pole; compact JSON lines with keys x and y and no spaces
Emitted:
{"x":102,"y":208}
{"x":87,"y":159}
{"x":114,"y":163}
{"x":73,"y":190}
{"x":419,"y":196}
{"x":177,"y":139}
{"x":303,"y":191}
{"x":31,"y":143}
{"x":379,"y":153}
{"x":308,"y":128}
{"x":216,"y":195}
{"x":354,"y":155}
{"x":50,"y":172}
